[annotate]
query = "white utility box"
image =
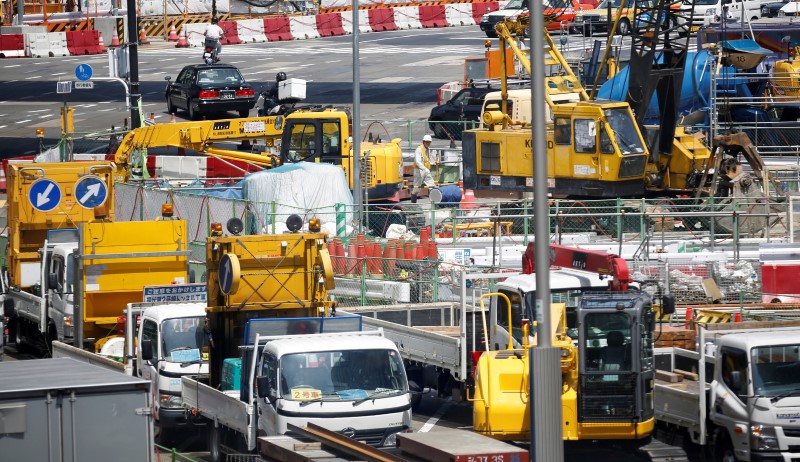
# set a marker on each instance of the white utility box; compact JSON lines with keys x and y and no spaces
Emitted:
{"x":294,"y":89}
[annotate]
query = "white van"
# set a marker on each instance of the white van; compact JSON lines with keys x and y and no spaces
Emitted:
{"x":519,"y":103}
{"x":710,"y":11}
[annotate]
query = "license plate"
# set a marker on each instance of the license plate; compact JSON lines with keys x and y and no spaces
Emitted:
{"x":694,"y":29}
{"x":226,"y":95}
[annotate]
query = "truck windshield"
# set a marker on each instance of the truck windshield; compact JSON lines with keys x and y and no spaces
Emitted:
{"x":623,"y":128}
{"x":775,"y":369}
{"x":342,"y":375}
{"x":183,"y":339}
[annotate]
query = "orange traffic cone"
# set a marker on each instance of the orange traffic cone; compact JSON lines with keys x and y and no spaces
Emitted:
{"x":143,"y":37}
{"x":173,"y":35}
{"x":182,"y":42}
{"x":468,"y":201}
{"x":172,"y":119}
{"x":114,"y":40}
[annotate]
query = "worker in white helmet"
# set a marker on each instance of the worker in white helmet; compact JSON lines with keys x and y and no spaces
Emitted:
{"x":422,"y":167}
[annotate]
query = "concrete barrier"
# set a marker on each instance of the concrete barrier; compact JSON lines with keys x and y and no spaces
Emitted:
{"x":277,"y":29}
{"x":480,"y":9}
{"x":195,"y":34}
{"x":407,"y":17}
{"x":37,"y":45}
{"x":432,"y":16}
{"x":251,"y":30}
{"x":58,"y":43}
{"x":382,"y":19}
{"x":12,"y":46}
{"x":231,"y":33}
{"x":330,"y":24}
{"x":303,"y":27}
{"x":459,"y":14}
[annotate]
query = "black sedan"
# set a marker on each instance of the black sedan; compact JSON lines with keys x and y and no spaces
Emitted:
{"x":203,"y":89}
{"x":771,"y":10}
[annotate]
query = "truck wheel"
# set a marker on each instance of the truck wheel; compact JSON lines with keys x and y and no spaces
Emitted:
{"x":215,"y":443}
{"x":162,"y":435}
{"x":624,"y":27}
{"x":723,"y":449}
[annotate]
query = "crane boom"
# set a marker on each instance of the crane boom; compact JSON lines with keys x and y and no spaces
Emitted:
{"x":602,"y":263}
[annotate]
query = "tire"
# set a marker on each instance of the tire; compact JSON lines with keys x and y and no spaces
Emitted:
{"x":215,"y":443}
{"x":170,"y":107}
{"x":190,"y":110}
{"x":624,"y":27}
{"x":244,"y":113}
{"x":491,"y":34}
{"x":723,"y":448}
{"x":416,"y":400}
{"x":438,"y":130}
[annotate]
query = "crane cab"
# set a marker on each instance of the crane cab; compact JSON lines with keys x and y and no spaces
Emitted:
{"x":594,"y":149}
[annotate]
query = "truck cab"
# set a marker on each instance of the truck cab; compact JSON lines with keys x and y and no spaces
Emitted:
{"x":352,"y":384}
{"x":172,"y":342}
{"x":754,"y":399}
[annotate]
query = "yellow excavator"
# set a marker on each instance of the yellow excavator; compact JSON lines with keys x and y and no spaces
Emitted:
{"x":307,"y":134}
{"x":595,"y":148}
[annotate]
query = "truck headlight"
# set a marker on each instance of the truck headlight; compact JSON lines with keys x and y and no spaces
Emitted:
{"x":390,"y":441}
{"x":171,"y":401}
{"x":781,"y":13}
{"x":484,"y":18}
{"x":764,"y":10}
{"x":578,"y":19}
{"x":763,"y":438}
{"x":711,"y":12}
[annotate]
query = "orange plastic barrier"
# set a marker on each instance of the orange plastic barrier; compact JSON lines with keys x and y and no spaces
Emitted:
{"x":432,"y":16}
{"x":382,"y":19}
{"x":84,"y":42}
{"x":277,"y":29}
{"x":480,"y":9}
{"x":330,"y":24}
{"x":231,"y":33}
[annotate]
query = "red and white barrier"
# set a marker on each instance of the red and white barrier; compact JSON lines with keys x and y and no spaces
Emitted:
{"x":303,"y":27}
{"x":381,"y":19}
{"x":12,"y":45}
{"x":195,"y":34}
{"x":84,"y":42}
{"x":407,"y":17}
{"x":432,"y":16}
{"x":459,"y":14}
{"x":330,"y":24}
{"x":277,"y":29}
{"x":363,"y":21}
{"x":480,"y":9}
{"x":251,"y":30}
{"x":231,"y":32}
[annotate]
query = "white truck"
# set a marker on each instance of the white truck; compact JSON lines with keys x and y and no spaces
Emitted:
{"x":745,"y":402}
{"x":174,"y":338}
{"x":336,"y":376}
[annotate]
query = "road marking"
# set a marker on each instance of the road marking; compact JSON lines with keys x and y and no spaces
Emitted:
{"x":33,"y":77}
{"x":3,"y":126}
{"x":13,"y":65}
{"x":23,"y":121}
{"x":435,"y":417}
{"x":35,"y":110}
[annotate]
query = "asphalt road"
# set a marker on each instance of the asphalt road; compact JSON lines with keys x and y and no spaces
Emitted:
{"x":400,"y":73}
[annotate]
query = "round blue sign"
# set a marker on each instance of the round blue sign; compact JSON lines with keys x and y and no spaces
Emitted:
{"x":91,"y":191}
{"x":44,"y":195}
{"x":83,"y":72}
{"x":228,"y":273}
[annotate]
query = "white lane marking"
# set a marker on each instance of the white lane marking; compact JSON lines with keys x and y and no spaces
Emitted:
{"x":33,"y":77}
{"x":13,"y":65}
{"x":435,"y":417}
{"x":37,"y":110}
{"x":3,"y":126}
{"x":23,"y":121}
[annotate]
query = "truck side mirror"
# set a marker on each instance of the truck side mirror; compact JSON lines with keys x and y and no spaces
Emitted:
{"x":667,"y":304}
{"x":147,"y":350}
{"x":262,"y":383}
{"x":650,"y":320}
{"x":52,"y":281}
{"x":736,"y":381}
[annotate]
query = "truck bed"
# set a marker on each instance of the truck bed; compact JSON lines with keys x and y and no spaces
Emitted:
{"x":63,"y":350}
{"x":680,"y":403}
{"x":215,"y":405}
{"x":26,"y":305}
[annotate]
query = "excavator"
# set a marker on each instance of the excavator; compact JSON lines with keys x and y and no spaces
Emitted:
{"x":606,"y":339}
{"x":310,"y":134}
{"x":599,"y":148}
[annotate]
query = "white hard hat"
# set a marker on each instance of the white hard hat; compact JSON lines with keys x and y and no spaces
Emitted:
{"x":427,"y":138}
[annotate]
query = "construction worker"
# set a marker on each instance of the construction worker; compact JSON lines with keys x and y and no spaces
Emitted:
{"x":422,"y":167}
{"x":214,"y":35}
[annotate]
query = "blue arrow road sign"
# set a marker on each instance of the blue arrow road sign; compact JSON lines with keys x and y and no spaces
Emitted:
{"x":83,"y":72}
{"x":225,"y":274}
{"x":45,"y":195}
{"x":91,"y":191}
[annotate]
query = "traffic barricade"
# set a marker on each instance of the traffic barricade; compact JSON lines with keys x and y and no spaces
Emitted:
{"x":277,"y":29}
{"x":58,"y":43}
{"x":432,"y":16}
{"x":381,"y":19}
{"x":407,"y":17}
{"x":480,"y":9}
{"x":93,"y":42}
{"x":329,"y":24}
{"x":231,"y":33}
{"x":195,"y":34}
{"x":251,"y":30}
{"x":459,"y":14}
{"x":12,"y":46}
{"x":303,"y":27}
{"x":363,"y":21}
{"x":37,"y":45}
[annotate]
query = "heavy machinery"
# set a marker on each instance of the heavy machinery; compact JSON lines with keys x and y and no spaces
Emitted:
{"x":310,"y":134}
{"x":595,"y":147}
{"x":607,"y":365}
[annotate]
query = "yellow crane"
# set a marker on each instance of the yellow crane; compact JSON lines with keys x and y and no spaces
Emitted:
{"x":311,"y":135}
